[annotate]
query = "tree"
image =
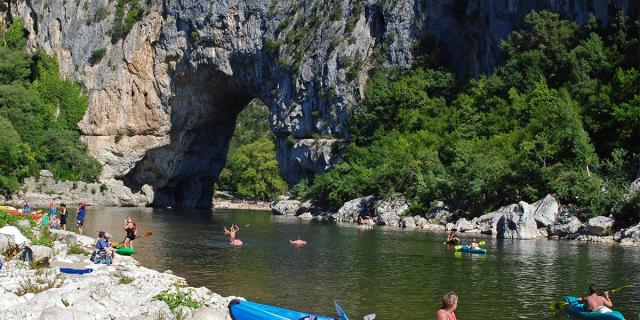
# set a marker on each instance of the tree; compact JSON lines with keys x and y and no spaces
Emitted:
{"x":17,"y":159}
{"x":254,"y":171}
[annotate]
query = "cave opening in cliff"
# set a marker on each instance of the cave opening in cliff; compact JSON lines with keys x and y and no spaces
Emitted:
{"x":203,"y":112}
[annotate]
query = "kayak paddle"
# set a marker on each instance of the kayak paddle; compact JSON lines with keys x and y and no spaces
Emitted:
{"x":145,"y":234}
{"x":559,"y":305}
{"x":341,"y":312}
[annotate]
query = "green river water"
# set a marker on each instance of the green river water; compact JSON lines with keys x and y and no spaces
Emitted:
{"x":395,"y":274}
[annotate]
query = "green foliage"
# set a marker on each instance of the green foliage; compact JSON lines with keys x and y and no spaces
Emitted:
{"x":251,"y":170}
{"x":195,"y":36}
{"x":17,"y":159}
{"x":38,"y":119}
{"x":337,"y":12}
{"x":178,"y":298}
{"x":127,"y":13}
{"x":561,"y":116}
{"x":255,"y":173}
{"x":97,"y":55}
{"x":76,"y":249}
{"x":102,"y":13}
{"x":14,"y":36}
{"x":125,"y":280}
{"x":302,"y":189}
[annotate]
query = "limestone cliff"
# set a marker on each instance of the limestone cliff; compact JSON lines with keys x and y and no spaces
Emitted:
{"x":164,"y":98}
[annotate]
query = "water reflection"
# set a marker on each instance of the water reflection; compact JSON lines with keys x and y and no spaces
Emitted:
{"x":395,"y":274}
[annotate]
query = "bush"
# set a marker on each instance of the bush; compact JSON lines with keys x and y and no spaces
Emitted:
{"x":97,"y":55}
{"x":102,"y":13}
{"x":76,"y":249}
{"x":178,"y":298}
{"x":128,"y":280}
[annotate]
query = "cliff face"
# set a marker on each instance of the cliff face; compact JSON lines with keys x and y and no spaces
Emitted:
{"x":164,"y":99}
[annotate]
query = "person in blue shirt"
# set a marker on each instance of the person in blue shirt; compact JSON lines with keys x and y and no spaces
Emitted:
{"x":101,"y":242}
{"x":25,"y":207}
{"x":82,"y":207}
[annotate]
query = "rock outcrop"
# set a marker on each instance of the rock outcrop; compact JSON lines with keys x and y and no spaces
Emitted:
{"x":163,"y":98}
{"x":390,"y":212}
{"x":351,"y":210}
{"x":630,"y":236}
{"x":110,"y":192}
{"x":599,"y":226}
{"x":546,"y":211}
{"x":518,"y":223}
{"x":286,"y":207}
{"x":566,"y":224}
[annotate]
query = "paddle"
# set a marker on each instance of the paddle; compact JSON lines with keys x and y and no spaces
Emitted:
{"x":145,"y":234}
{"x":341,"y":312}
{"x":559,"y":305}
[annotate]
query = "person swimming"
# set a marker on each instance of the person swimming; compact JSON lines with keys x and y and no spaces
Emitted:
{"x":298,"y":242}
{"x":233,"y":240}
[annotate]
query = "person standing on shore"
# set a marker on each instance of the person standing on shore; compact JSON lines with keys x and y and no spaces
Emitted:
{"x":25,"y":207}
{"x":63,"y":216}
{"x":82,"y":207}
{"x":52,"y":209}
{"x":449,"y":306}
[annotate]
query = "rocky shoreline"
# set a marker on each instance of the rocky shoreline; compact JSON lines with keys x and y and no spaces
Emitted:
{"x":544,"y":219}
{"x":123,"y":290}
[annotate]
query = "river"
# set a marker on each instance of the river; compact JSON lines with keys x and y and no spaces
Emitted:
{"x":393,"y":273}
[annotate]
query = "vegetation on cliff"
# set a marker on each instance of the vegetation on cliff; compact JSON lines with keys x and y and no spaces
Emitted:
{"x":39,"y":112}
{"x":560,"y":116}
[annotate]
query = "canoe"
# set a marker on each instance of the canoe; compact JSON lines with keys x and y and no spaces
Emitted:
{"x":19,"y":213}
{"x":76,"y":271}
{"x":124,"y":251}
{"x":467,"y":249}
{"x":576,"y":309}
{"x":247,"y":310}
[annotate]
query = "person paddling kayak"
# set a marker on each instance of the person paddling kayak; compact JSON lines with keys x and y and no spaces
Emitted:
{"x":594,"y":302}
{"x":449,"y":306}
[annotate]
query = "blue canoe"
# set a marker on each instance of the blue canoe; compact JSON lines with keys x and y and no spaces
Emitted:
{"x":467,"y":249}
{"x":576,"y":309}
{"x":247,"y":310}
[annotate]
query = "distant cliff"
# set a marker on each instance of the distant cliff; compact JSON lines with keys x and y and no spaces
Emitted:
{"x":167,"y":79}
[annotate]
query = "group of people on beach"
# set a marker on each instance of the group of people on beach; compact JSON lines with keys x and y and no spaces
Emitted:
{"x":234,"y":241}
{"x":51,"y":218}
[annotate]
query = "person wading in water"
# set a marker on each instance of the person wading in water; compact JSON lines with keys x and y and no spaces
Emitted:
{"x":63,"y":216}
{"x":449,"y":306}
{"x":132,"y":231}
{"x":232,"y":235}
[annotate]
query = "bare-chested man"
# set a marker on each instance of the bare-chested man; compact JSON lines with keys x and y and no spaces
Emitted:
{"x":233,"y":240}
{"x":594,"y":302}
{"x":298,"y":242}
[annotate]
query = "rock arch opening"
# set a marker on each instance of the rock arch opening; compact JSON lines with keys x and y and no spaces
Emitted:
{"x":203,"y":112}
